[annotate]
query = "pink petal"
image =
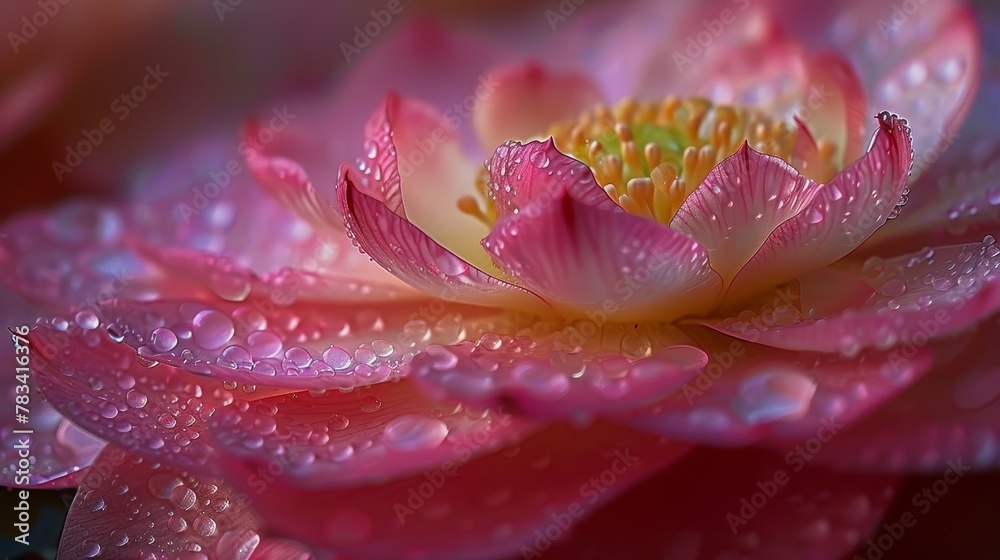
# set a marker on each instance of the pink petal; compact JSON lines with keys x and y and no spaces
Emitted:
{"x":411,"y":255}
{"x":59,"y":449}
{"x":696,"y":510}
{"x":270,"y":338}
{"x":414,"y":164}
{"x":837,"y":218}
{"x":950,"y":417}
{"x":739,"y":204}
{"x":366,"y":436}
{"x":553,"y":384}
{"x":923,"y":64}
{"x":538,"y":173}
{"x":833,"y":104}
{"x":527,"y":100}
{"x":919,"y":296}
{"x":449,"y":513}
{"x":749,"y":393}
{"x":626,"y":266}
{"x":160,"y":414}
{"x":231,"y":282}
{"x":130,"y":507}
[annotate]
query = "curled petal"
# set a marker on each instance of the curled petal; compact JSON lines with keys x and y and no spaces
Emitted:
{"x":405,"y":251}
{"x":538,"y":173}
{"x":839,"y":216}
{"x":739,"y":204}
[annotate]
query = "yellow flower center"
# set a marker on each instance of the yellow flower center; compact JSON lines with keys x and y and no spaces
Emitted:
{"x":649,"y":156}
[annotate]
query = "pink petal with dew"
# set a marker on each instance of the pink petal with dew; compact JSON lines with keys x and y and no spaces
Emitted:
{"x":543,"y":381}
{"x":160,"y":414}
{"x":59,"y":449}
{"x":131,"y":507}
{"x":792,"y":512}
{"x":231,"y":282}
{"x":449,"y":513}
{"x":267,"y":339}
{"x":749,"y":393}
{"x":528,"y":99}
{"x":410,"y":254}
{"x":739,"y":204}
{"x":538,"y":173}
{"x":367,"y":436}
{"x":584,"y":255}
{"x":950,"y":417}
{"x":948,"y":288}
{"x":414,"y":164}
{"x":838,"y":217}
{"x":958,"y":198}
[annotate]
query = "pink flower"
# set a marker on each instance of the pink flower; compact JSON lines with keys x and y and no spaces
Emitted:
{"x":672,"y":244}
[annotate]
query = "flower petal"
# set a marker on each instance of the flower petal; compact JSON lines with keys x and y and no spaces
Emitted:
{"x":626,"y":266}
{"x":813,"y":514}
{"x":749,"y":393}
{"x":923,"y":63}
{"x":268,"y":341}
{"x":526,"y":99}
{"x":367,"y":436}
{"x":405,"y":251}
{"x":837,"y":218}
{"x":538,"y":173}
{"x":59,"y":449}
{"x":546,"y":382}
{"x":161,"y":414}
{"x":131,"y":507}
{"x":739,"y":204}
{"x":945,"y":290}
{"x":454,"y":515}
{"x":952,"y":415}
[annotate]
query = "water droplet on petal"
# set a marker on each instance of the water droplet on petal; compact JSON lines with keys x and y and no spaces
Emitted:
{"x":774,"y":395}
{"x":211,"y":329}
{"x":413,"y":432}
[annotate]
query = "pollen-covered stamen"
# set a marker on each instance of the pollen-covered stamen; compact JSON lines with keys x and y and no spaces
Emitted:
{"x":649,"y":156}
{"x":470,"y":205}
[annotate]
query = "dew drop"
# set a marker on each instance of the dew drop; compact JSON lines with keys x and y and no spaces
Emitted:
{"x":211,"y":329}
{"x":163,"y":340}
{"x":370,"y":404}
{"x":412,"y":432}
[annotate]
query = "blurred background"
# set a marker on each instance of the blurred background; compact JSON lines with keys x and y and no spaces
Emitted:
{"x":63,"y":72}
